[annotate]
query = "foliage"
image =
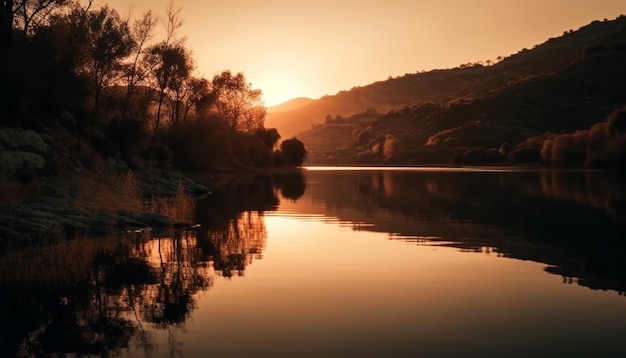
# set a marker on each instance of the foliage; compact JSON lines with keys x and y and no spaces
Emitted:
{"x":391,"y":148}
{"x":73,"y":68}
{"x":237,"y":103}
{"x":292,"y":152}
{"x":603,"y":145}
{"x":171,"y":66}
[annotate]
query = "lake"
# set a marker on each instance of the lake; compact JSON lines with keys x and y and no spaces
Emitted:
{"x":344,"y":262}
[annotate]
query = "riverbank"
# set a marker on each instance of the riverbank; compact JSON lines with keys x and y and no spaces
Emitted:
{"x":93,"y":204}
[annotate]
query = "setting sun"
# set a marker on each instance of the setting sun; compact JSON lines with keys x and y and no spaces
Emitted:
{"x":315,"y":48}
{"x":278,"y":87}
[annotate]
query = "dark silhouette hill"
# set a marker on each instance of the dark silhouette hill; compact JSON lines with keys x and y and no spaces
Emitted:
{"x":565,"y":84}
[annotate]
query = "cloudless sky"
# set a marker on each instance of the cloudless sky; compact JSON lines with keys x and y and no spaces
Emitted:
{"x":310,"y":48}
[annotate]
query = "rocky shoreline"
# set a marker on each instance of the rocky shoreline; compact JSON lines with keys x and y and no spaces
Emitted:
{"x":58,"y":207}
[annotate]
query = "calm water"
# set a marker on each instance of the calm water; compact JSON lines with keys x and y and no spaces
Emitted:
{"x":344,"y":263}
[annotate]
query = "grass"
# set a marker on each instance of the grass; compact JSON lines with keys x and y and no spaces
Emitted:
{"x":107,"y":191}
{"x":181,"y":208}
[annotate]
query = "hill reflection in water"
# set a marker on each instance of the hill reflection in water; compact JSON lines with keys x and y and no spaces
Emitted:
{"x":574,"y":221}
{"x":104,"y":297}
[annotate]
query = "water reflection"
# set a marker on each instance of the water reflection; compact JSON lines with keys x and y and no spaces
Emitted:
{"x":573,"y":221}
{"x":100,"y":297}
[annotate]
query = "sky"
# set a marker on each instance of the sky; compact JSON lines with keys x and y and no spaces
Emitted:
{"x":312,"y":48}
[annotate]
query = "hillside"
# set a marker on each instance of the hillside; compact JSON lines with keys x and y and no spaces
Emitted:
{"x":467,"y":82}
{"x":567,"y":84}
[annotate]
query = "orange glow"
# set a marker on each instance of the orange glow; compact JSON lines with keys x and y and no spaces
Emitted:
{"x":306,"y":48}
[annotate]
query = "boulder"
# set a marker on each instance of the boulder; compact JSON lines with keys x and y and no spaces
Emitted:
{"x":22,"y":140}
{"x":20,"y":163}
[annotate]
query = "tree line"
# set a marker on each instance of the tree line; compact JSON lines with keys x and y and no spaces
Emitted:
{"x":109,"y":81}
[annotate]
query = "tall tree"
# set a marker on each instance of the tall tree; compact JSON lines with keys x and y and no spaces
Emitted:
{"x":237,"y":103}
{"x":177,"y":87}
{"x":109,"y":42}
{"x":29,"y":14}
{"x":169,"y":60}
{"x":170,"y":65}
{"x":196,"y":98}
{"x":142,"y":32}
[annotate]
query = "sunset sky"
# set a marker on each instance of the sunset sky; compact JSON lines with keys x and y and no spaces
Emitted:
{"x":305,"y":48}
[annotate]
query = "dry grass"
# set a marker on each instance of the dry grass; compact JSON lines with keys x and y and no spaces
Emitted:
{"x":181,"y":208}
{"x":107,"y":191}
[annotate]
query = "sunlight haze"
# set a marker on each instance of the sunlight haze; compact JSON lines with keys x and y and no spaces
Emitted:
{"x":292,"y":49}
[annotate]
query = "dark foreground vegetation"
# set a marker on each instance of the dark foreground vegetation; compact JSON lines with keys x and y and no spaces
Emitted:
{"x":92,"y":102}
{"x":560,"y":103}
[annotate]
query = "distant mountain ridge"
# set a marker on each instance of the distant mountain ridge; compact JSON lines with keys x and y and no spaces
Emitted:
{"x":465,"y":83}
{"x":289,"y":105}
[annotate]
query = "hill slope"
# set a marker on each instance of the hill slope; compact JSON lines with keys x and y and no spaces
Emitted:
{"x":466,"y":82}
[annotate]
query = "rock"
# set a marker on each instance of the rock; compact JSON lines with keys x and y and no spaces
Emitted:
{"x":13,"y":163}
{"x":22,"y":140}
{"x":30,"y":141}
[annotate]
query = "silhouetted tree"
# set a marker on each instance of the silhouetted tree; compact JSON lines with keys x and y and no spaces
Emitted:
{"x":269,"y":137}
{"x":237,"y":103}
{"x":142,"y":32}
{"x":196,"y":97}
{"x":168,"y":59}
{"x":29,"y":14}
{"x":293,"y":152}
{"x":179,"y":91}
{"x":171,"y":64}
{"x":109,"y":41}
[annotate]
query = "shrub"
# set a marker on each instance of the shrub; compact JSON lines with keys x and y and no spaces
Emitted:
{"x":391,"y":148}
{"x":570,"y":149}
{"x":293,"y":152}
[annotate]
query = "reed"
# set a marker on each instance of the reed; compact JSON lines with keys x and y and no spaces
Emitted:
{"x":181,"y":207}
{"x":107,"y":191}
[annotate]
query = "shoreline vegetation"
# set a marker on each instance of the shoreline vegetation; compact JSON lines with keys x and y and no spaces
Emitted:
{"x":99,"y":119}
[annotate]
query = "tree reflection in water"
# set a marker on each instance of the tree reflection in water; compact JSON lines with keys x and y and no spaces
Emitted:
{"x":124,"y":291}
{"x":97,"y":297}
